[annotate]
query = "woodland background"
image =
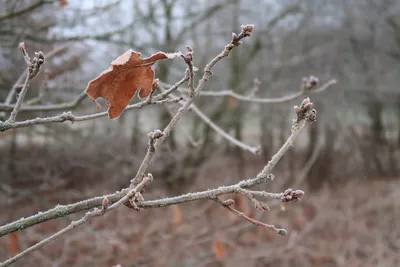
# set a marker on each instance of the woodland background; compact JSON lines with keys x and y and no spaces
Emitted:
{"x":347,"y":162}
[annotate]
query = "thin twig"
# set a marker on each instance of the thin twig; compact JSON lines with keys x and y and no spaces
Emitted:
{"x":282,"y":151}
{"x":13,"y":90}
{"x":253,"y":221}
{"x":20,"y":99}
{"x":33,"y":69}
{"x":173,"y":88}
{"x":188,"y":58}
{"x":52,"y":107}
{"x":254,"y":99}
{"x":153,"y":136}
{"x":68,"y":116}
{"x":302,"y":174}
{"x":215,"y":127}
{"x":24,"y":10}
{"x":260,"y":193}
{"x":193,"y":142}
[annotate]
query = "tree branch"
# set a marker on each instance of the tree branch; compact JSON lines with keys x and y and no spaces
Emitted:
{"x":305,"y":115}
{"x":25,"y":10}
{"x":33,"y":69}
{"x":64,"y":210}
{"x":68,"y":116}
{"x":254,"y":99}
{"x":215,"y":127}
{"x":96,"y":212}
{"x":253,"y":221}
{"x":236,"y":41}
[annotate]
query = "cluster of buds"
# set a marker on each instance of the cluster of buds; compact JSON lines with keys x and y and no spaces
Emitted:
{"x":247,"y":29}
{"x":309,"y":83}
{"x":228,"y":202}
{"x":292,"y":195}
{"x":188,"y":58}
{"x":35,"y":63}
{"x":305,"y":111}
{"x":246,"y":32}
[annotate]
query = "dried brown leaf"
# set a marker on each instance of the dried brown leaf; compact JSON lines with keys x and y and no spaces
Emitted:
{"x":177,"y":215}
{"x":63,"y":3}
{"x":13,"y":246}
{"x":218,"y":249}
{"x":232,"y":103}
{"x":120,"y":82}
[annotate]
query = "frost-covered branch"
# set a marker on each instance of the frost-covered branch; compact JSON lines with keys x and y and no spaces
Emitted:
{"x":131,"y":196}
{"x":264,"y":176}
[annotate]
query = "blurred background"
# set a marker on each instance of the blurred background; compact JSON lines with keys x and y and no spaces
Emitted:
{"x":347,"y":162}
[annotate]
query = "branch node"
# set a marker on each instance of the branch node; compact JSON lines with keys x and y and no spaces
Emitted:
{"x":228,"y":202}
{"x":292,"y":195}
{"x":156,"y":134}
{"x":282,"y":232}
{"x":309,"y":83}
{"x":271,"y":177}
{"x":305,"y":112}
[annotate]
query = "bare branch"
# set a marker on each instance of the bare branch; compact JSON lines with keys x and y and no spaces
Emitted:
{"x":25,"y":10}
{"x":253,"y":99}
{"x":61,"y":211}
{"x":68,"y":116}
{"x":153,"y":136}
{"x":18,"y":83}
{"x":305,"y":115}
{"x":208,"y":121}
{"x":253,"y":221}
{"x":33,"y":69}
{"x":246,"y":32}
{"x":84,"y":219}
{"x":20,"y":99}
{"x":173,"y":88}
{"x":188,"y":58}
{"x":54,"y":107}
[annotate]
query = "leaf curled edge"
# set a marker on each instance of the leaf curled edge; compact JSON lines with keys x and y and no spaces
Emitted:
{"x":120,"y":82}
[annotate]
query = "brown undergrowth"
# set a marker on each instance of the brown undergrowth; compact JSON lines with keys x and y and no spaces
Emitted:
{"x":351,"y":224}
